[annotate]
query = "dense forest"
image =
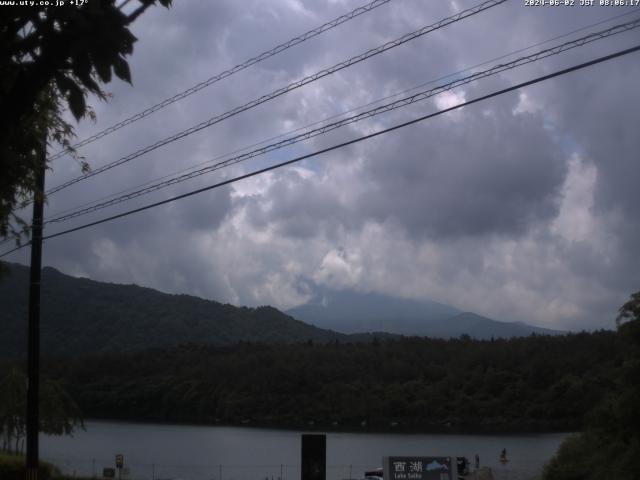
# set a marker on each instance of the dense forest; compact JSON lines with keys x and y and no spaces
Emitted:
{"x":538,"y":383}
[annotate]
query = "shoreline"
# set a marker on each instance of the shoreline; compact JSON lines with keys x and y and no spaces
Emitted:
{"x":369,"y":429}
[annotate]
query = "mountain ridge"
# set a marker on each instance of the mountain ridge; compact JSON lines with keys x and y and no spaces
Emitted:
{"x":81,"y":316}
{"x":353,"y":312}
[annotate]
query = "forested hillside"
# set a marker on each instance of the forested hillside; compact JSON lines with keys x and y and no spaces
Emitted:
{"x":527,"y":384}
{"x":82,"y":316}
{"x":609,"y":446}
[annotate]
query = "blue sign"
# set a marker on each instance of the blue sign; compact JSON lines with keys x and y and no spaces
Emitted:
{"x":418,"y":468}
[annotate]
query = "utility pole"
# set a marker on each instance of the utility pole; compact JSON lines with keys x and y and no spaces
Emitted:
{"x":33,"y":347}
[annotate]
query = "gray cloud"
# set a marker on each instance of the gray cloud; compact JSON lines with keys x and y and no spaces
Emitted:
{"x":472,"y":173}
{"x":519,"y":208}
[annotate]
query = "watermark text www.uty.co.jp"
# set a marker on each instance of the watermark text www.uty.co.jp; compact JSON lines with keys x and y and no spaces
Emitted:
{"x":43,"y":3}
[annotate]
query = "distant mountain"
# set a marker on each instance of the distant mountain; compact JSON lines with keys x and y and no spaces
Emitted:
{"x":353,"y":312}
{"x":84,"y":316}
{"x":483,"y":328}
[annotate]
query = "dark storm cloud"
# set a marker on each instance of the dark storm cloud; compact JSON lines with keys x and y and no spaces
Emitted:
{"x":607,"y":133}
{"x":607,"y":130}
{"x":202,"y":214}
{"x":324,"y":209}
{"x":482,"y":172}
{"x":472,"y":173}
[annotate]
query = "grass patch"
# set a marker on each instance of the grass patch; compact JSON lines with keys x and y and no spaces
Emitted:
{"x":12,"y":467}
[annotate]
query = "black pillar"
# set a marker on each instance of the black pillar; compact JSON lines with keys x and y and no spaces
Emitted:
{"x":314,"y":457}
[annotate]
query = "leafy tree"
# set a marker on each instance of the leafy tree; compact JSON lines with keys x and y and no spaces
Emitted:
{"x":52,"y":58}
{"x":610,"y":446}
{"x":59,"y":413}
{"x":630,"y":310}
{"x":628,"y":321}
{"x":12,"y":410}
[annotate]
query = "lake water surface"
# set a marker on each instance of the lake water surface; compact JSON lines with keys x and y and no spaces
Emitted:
{"x":154,"y":451}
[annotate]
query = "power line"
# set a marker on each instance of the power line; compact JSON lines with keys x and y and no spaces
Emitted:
{"x":281,"y":91}
{"x":326,"y":119}
{"x":558,"y":73}
{"x":400,"y":103}
{"x":227,"y":73}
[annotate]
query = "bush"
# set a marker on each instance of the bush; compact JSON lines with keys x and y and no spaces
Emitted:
{"x":12,"y":467}
{"x":589,"y":457}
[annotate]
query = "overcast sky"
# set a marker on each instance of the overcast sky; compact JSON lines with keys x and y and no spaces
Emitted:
{"x":520,"y":208}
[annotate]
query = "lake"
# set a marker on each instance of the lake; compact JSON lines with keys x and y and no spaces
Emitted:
{"x":158,"y":451}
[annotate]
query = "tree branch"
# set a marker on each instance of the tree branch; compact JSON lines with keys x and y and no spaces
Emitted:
{"x":139,"y":11}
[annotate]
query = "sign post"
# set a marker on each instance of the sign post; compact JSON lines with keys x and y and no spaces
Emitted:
{"x":119,"y":464}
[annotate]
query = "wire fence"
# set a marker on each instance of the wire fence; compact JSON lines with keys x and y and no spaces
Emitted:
{"x":520,"y":469}
{"x":95,"y":468}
